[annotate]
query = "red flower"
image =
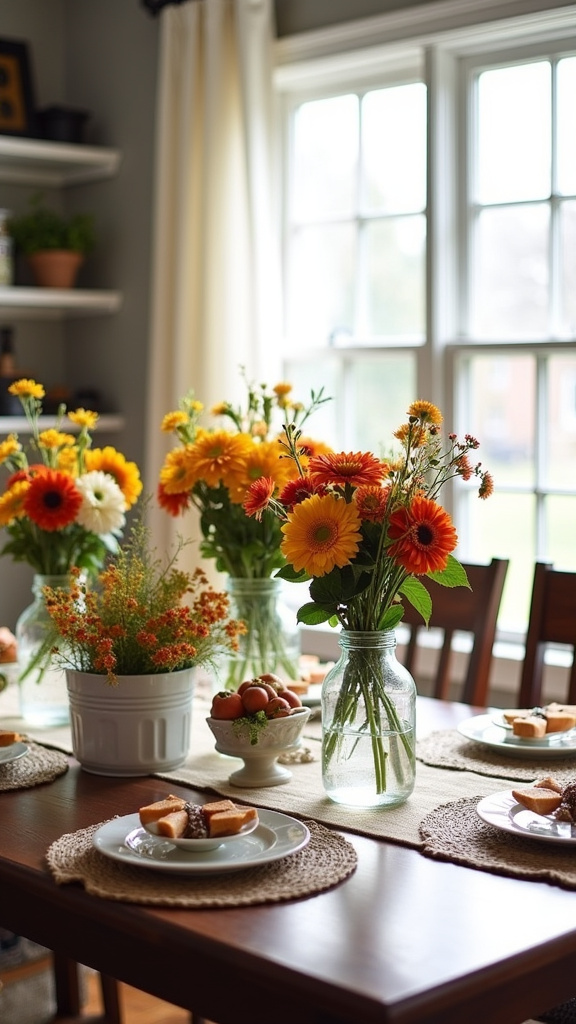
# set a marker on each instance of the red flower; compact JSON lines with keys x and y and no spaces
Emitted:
{"x":52,"y":500}
{"x":339,"y":469}
{"x":298,"y":490}
{"x":175,"y":504}
{"x":372,"y":502}
{"x":258,"y":495}
{"x":423,"y":536}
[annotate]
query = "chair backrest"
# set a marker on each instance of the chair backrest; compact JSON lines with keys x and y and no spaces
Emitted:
{"x":552,"y":619}
{"x":472,"y":611}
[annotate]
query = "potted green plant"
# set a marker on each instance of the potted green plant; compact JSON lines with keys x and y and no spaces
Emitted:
{"x":53,"y":244}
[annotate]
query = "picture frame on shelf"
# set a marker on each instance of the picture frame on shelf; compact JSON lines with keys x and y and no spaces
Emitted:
{"x":17,"y":107}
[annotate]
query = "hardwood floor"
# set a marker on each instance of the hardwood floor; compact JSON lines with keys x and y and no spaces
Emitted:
{"x":137,"y":1007}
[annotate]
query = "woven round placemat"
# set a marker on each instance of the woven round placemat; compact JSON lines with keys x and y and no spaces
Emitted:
{"x":38,"y":765}
{"x":449,"y":749}
{"x":326,"y":860}
{"x":455,"y":832}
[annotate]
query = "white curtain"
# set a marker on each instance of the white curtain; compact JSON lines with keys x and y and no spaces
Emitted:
{"x":215,"y":302}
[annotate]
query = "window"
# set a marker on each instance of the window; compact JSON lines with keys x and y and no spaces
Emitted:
{"x":429,"y":240}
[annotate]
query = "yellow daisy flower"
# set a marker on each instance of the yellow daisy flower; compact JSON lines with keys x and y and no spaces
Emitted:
{"x":126,"y":474}
{"x":426,"y":412}
{"x":321,"y":532}
{"x":67,"y":461}
{"x":52,"y":439}
{"x":178,"y":473}
{"x":219,"y":457}
{"x":26,"y":388}
{"x":8,"y":447}
{"x":262,"y":460}
{"x":282,"y":389}
{"x":12,"y":502}
{"x":172,"y":420}
{"x":84,"y":418}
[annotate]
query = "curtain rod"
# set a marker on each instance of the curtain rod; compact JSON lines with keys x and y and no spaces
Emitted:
{"x":155,"y":6}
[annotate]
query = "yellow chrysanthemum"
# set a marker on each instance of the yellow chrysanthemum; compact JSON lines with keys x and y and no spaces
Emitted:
{"x":220,"y":457}
{"x":262,"y":460}
{"x":67,"y":461}
{"x":84,"y":418}
{"x":177,"y":475}
{"x":426,"y":412}
{"x":26,"y":388}
{"x":282,"y":388}
{"x":126,"y":474}
{"x":51,"y":439}
{"x":322,"y":531}
{"x":220,"y":409}
{"x":12,"y":502}
{"x":9,"y":447}
{"x":173,"y":420}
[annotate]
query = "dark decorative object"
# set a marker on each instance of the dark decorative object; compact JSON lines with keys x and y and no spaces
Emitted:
{"x":16,"y":95}
{"x":62,"y":124}
{"x":155,"y":6}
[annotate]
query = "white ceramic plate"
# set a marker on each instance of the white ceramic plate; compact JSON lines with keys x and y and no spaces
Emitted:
{"x":312,"y":697}
{"x":13,"y":752}
{"x":201,"y":845}
{"x":502,"y":811}
{"x":276,"y":836}
{"x":482,"y":729}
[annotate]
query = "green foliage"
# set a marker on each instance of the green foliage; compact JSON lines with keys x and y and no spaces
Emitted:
{"x":43,"y":228}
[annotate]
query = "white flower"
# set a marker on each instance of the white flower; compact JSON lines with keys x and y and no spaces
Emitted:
{"x":103,"y":504}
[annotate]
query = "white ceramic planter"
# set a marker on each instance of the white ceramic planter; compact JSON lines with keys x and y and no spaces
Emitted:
{"x":140,"y":726}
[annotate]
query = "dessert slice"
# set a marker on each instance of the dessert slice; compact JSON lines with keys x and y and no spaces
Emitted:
{"x":152,"y":812}
{"x":532,"y":727}
{"x":541,"y":801}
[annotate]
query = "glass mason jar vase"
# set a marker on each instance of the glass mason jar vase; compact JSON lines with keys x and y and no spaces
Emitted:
{"x":272,"y":639}
{"x":368,"y":723}
{"x":43,"y":692}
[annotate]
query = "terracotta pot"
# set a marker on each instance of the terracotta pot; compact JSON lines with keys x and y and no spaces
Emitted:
{"x":55,"y":268}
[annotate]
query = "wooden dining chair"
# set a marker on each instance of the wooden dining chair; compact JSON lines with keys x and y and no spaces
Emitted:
{"x":473,"y":611}
{"x":552,"y":620}
{"x":68,"y":991}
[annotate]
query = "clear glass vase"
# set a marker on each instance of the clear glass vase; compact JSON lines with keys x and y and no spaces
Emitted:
{"x":368,"y":723}
{"x":43,"y":691}
{"x":272,"y":640}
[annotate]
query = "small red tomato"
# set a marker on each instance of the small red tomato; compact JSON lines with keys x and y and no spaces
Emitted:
{"x":292,"y":698}
{"x":244,"y":686}
{"x":254,"y":699}
{"x":227,"y":705}
{"x":277,"y":708}
{"x":273,"y":680}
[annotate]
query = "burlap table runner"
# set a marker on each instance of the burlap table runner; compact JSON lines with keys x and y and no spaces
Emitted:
{"x":454,"y":832}
{"x":449,"y":749}
{"x":38,"y":765}
{"x":327,"y":860}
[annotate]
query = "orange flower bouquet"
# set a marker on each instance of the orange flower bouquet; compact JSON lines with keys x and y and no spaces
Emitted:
{"x":362,"y":531}
{"x":64,"y":502}
{"x":210,"y":470}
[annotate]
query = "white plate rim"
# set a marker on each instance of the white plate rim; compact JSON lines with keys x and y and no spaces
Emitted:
{"x":15,"y":750}
{"x":498,"y":809}
{"x":475,"y":727}
{"x":110,"y":838}
{"x":199,"y":845}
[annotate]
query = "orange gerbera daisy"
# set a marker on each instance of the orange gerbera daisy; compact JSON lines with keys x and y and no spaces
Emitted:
{"x":372,"y":502}
{"x":52,"y":500}
{"x":177,"y":474}
{"x":126,"y":474}
{"x":423,"y":536}
{"x":341,"y":468}
{"x":426,"y":412}
{"x":323,"y":531}
{"x":258,"y":495}
{"x":218,"y":457}
{"x":261,"y":460}
{"x":12,"y":502}
{"x":175,"y":504}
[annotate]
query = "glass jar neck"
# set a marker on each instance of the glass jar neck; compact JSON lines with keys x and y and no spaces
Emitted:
{"x":245,"y":586}
{"x":57,"y":581}
{"x":376,"y":639}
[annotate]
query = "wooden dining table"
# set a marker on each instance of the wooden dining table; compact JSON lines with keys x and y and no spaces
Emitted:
{"x":404,"y":939}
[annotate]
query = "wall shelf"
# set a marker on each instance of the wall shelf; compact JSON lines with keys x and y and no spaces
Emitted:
{"x":20,"y":303}
{"x":54,"y":164}
{"x":107,"y":423}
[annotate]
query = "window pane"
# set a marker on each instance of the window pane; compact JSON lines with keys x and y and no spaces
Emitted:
{"x":561,"y":428}
{"x":325,"y":157}
{"x":568,"y":267}
{"x":395,"y":276}
{"x":498,"y":408}
{"x":322,"y":285}
{"x":394,"y":149}
{"x":514,"y":133}
{"x":503,"y":527}
{"x":370,"y":397}
{"x":561,"y":547}
{"x":566,"y":126}
{"x":511,"y":297}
